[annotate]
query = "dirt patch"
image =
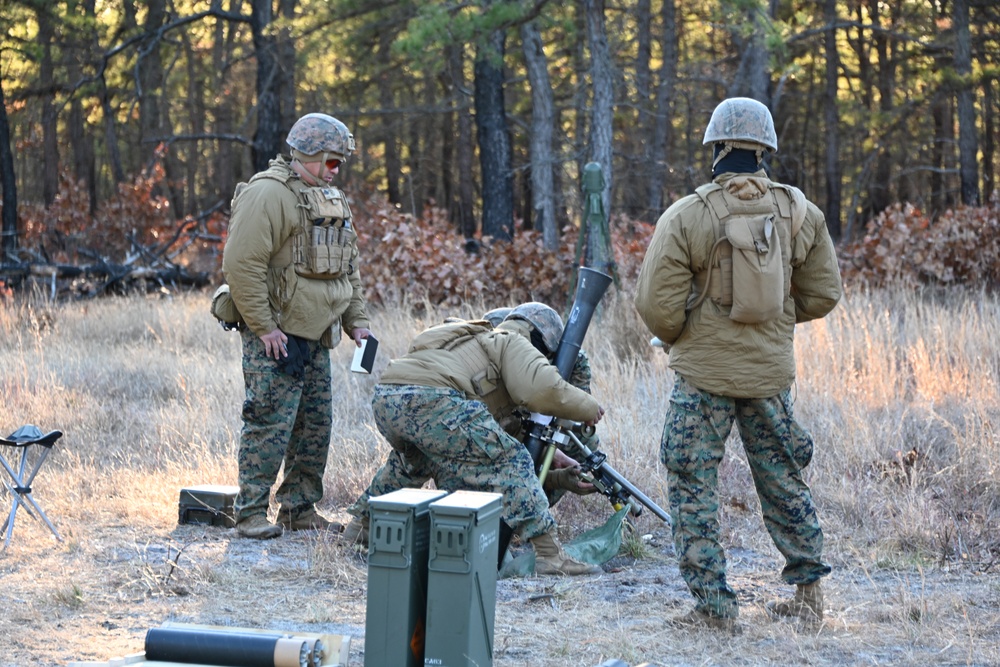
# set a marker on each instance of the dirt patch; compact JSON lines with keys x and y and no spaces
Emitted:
{"x":94,"y":597}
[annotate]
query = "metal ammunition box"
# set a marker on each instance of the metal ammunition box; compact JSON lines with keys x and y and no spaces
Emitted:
{"x":397,"y":578}
{"x":462,"y":579}
{"x":208,"y":505}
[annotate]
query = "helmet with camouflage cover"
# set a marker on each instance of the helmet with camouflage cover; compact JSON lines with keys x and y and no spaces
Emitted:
{"x":496,"y":315}
{"x":542,"y":319}
{"x":317,"y":137}
{"x":742,"y":120}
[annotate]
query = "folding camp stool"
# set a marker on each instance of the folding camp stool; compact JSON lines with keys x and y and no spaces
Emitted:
{"x":20,"y":491}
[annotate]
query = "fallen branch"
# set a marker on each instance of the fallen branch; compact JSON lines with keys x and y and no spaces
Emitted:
{"x":110,"y":276}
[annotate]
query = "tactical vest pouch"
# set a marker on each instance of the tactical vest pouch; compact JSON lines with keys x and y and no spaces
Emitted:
{"x":328,"y":248}
{"x":756,"y":268}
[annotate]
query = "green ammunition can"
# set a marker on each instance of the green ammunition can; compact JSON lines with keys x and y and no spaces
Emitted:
{"x":208,"y":505}
{"x":397,"y":578}
{"x":462,"y":579}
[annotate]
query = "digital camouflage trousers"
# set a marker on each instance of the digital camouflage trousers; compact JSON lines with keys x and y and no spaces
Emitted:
{"x":439,"y":433}
{"x":777,"y":449}
{"x":286,"y":420}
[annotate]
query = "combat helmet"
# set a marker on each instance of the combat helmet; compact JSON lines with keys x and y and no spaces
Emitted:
{"x":317,"y":137}
{"x":496,"y":315}
{"x":544,"y":320}
{"x":741,"y":122}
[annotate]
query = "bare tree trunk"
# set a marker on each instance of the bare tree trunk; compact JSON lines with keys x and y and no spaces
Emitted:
{"x":832,"y":122}
{"x":643,"y":76}
{"x":388,"y":124}
{"x":269,"y":139}
{"x":154,"y":121}
{"x":466,"y":215}
{"x":80,"y":138}
{"x":429,"y":140}
{"x":578,"y":56}
{"x":84,"y":168}
{"x":636,"y":145}
{"x":285,"y":49}
{"x":989,"y":134}
{"x":437,"y":190}
{"x":8,"y":180}
{"x":448,"y":129}
{"x":542,"y":130}
{"x":662,"y":129}
{"x":494,"y":140}
{"x":111,"y":133}
{"x":150,"y":80}
{"x":107,"y":112}
{"x":939,"y":115}
{"x":602,"y":80}
{"x":411,"y":137}
{"x":50,"y":120}
{"x":753,"y":78}
{"x":879,"y":186}
{"x":968,"y":144}
{"x":225,"y":158}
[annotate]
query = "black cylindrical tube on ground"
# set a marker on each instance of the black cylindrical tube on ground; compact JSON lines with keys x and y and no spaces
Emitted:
{"x":209,"y":647}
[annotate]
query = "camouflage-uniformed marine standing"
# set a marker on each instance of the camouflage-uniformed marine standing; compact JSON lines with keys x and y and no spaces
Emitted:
{"x":729,"y":371}
{"x":291,"y":262}
{"x":441,"y":407}
{"x":565,"y":475}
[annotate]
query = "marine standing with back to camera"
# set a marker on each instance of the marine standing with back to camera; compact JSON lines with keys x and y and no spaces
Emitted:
{"x":727,"y":312}
{"x":291,"y":261}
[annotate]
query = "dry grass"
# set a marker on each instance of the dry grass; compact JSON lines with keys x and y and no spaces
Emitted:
{"x":148,"y":389}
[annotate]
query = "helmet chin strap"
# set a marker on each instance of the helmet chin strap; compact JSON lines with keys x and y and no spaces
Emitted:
{"x":303,"y":159}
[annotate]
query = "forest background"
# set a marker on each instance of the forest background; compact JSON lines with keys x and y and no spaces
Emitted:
{"x":125,"y":126}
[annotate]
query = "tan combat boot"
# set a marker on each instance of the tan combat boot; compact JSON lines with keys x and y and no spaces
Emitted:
{"x":807,"y":603}
{"x":258,"y":528}
{"x":551,"y":559}
{"x":356,"y":532}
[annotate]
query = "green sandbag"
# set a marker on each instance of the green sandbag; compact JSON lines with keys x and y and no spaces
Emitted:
{"x":596,"y":546}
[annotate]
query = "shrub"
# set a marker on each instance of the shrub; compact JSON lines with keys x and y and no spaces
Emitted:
{"x":903,"y":247}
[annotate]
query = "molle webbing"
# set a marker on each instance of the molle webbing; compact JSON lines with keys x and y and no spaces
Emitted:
{"x":716,"y":281}
{"x":324,"y":243}
{"x":484,"y":378}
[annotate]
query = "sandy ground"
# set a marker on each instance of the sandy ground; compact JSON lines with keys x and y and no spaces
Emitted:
{"x":94,"y":596}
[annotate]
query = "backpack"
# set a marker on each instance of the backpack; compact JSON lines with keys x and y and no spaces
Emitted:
{"x":746,"y":269}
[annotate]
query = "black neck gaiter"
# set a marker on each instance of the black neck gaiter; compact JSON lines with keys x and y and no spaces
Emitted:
{"x":739,"y":161}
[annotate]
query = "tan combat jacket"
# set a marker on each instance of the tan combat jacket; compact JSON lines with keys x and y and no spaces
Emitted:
{"x":713,"y":352}
{"x":267,"y":291}
{"x":486,"y":364}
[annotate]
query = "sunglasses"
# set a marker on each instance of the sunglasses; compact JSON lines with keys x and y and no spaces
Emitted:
{"x":333,"y":163}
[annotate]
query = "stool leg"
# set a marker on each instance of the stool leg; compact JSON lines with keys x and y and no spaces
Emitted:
{"x":27,"y":494}
{"x":21,"y":494}
{"x":15,"y":497}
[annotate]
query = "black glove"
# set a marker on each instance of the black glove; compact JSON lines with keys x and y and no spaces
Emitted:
{"x":295,"y":363}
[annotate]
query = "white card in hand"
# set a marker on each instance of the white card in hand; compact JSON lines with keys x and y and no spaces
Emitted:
{"x":364,"y":356}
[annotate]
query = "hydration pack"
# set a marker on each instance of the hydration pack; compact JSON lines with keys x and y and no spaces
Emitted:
{"x":749,"y":268}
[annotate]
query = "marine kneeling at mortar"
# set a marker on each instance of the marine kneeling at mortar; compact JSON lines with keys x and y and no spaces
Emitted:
{"x":441,"y":407}
{"x":566,"y":473}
